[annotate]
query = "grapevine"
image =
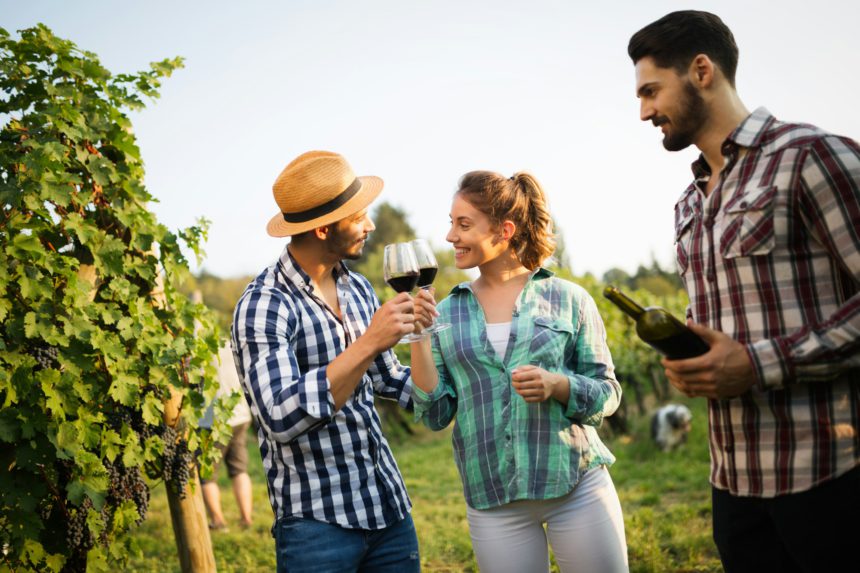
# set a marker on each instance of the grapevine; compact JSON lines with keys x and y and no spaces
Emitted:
{"x":95,"y":334}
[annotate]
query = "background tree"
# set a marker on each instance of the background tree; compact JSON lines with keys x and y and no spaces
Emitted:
{"x":560,"y":258}
{"x":219,"y":295}
{"x":94,"y":335}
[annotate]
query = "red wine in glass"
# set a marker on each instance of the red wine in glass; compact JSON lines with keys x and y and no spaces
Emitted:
{"x":426,"y":276}
{"x":428,"y":267}
{"x":405,"y":282}
{"x":400,"y":271}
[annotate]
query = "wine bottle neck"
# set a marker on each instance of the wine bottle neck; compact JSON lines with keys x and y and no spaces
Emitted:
{"x":623,"y":302}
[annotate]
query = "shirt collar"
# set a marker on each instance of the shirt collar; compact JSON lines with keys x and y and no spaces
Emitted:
{"x":294,"y":273}
{"x":539,"y":273}
{"x":749,"y":133}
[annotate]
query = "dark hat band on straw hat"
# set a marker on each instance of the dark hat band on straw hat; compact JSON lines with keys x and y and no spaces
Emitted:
{"x":325,"y":208}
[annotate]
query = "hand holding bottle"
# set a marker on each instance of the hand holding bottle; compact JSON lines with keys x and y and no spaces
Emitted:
{"x":725,"y":371}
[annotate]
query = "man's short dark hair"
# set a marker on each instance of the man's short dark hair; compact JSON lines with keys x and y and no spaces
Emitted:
{"x":676,"y":38}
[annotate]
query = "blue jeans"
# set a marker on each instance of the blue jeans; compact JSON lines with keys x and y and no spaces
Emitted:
{"x":308,"y":546}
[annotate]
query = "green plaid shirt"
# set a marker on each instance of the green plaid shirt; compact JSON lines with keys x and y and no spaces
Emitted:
{"x":507,"y":449}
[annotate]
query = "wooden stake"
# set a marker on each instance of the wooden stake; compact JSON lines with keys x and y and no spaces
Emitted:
{"x":188,"y":515}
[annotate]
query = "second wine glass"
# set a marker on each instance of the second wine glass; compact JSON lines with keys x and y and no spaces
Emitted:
{"x":427,"y":269}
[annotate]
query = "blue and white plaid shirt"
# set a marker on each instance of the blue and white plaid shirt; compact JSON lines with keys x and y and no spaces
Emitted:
{"x":321,"y":464}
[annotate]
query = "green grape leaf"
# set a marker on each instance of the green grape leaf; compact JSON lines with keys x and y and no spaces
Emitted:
{"x":124,"y":389}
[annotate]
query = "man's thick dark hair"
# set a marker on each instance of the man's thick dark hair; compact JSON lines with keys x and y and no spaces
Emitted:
{"x":676,"y":38}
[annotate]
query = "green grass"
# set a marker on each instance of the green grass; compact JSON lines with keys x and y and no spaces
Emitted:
{"x":665,"y":498}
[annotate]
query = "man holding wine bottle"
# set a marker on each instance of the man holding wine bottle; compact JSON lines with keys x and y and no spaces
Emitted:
{"x":313,"y":350}
{"x":768,"y":249}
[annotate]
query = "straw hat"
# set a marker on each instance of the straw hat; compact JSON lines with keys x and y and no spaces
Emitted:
{"x":318,"y":188}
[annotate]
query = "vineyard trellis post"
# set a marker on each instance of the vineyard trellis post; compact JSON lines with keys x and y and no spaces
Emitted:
{"x":187,"y":511}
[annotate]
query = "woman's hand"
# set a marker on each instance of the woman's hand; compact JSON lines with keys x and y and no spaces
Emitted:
{"x":424,"y":309}
{"x":535,"y":384}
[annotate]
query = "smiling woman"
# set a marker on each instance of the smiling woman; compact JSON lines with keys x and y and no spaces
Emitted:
{"x":527,"y":376}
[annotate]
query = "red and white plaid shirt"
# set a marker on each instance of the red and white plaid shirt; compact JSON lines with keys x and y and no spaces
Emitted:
{"x":772,"y":258}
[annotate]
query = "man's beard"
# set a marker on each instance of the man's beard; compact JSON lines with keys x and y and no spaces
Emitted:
{"x":343,"y":246}
{"x":691,"y":118}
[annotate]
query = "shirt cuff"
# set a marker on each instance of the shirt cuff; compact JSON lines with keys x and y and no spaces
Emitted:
{"x":577,"y":401}
{"x":423,"y":401}
{"x":770,"y":364}
{"x":316,"y":395}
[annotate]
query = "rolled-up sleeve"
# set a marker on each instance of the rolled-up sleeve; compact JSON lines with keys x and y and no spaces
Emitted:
{"x":437,"y":409}
{"x":829,"y":195}
{"x":391,"y":380}
{"x":286,"y":401}
{"x":594,"y":391}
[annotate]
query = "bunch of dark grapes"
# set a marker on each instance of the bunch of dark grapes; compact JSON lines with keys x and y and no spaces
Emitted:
{"x":132,"y":418}
{"x":46,"y":357}
{"x":176,"y":461}
{"x":78,"y":534}
{"x":127,"y":483}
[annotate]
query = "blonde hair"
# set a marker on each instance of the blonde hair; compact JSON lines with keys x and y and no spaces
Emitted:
{"x":519,"y":199}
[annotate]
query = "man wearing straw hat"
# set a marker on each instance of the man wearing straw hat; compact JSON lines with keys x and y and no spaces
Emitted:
{"x":313,"y":349}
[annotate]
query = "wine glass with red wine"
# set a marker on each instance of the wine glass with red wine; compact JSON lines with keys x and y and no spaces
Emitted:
{"x":427,"y":269}
{"x":400,"y":270}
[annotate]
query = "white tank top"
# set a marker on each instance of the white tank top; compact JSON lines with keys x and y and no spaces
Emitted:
{"x":498,"y":334}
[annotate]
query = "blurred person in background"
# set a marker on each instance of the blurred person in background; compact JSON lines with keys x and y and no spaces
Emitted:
{"x":235,"y":453}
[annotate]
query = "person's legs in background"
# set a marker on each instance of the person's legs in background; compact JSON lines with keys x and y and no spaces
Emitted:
{"x":236,"y":458}
{"x":242,"y":491}
{"x":212,"y":499}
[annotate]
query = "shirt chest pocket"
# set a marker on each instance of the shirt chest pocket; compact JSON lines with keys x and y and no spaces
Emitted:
{"x":549,"y":340}
{"x":683,"y":240}
{"x":748,"y":224}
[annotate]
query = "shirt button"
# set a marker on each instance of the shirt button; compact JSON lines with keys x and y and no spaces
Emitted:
{"x":743,"y":204}
{"x":508,"y":437}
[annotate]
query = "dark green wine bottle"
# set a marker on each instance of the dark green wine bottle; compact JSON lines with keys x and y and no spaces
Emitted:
{"x":659,"y":329}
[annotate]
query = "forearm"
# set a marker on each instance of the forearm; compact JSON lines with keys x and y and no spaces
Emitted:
{"x":817,"y":352}
{"x":560,"y":388}
{"x":435,"y":401}
{"x":424,"y":374}
{"x":346,"y":371}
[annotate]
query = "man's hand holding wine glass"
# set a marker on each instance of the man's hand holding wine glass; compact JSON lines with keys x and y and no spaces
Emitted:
{"x":724,"y":371}
{"x":390,"y":322}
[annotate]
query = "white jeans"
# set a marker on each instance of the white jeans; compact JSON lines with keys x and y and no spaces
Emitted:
{"x":584,"y":527}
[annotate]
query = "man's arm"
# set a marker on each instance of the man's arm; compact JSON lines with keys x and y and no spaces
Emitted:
{"x":286,"y":401}
{"x":389,"y":324}
{"x":829,"y":201}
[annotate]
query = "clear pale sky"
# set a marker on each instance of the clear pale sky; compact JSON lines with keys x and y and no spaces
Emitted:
{"x":420,"y":92}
